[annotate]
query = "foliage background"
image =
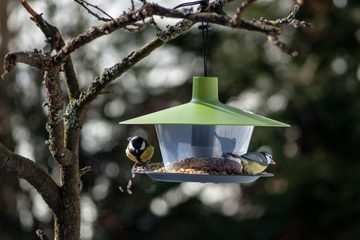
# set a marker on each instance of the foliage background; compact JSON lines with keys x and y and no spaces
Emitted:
{"x":315,"y":193}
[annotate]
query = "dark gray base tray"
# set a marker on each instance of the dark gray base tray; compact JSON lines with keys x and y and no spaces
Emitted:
{"x":204,"y":178}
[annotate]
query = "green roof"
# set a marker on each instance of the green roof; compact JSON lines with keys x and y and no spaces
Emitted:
{"x":205,"y":109}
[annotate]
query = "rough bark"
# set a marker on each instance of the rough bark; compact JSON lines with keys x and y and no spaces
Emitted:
{"x":27,"y":169}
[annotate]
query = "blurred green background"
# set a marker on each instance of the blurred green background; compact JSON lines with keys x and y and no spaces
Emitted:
{"x":315,"y":193}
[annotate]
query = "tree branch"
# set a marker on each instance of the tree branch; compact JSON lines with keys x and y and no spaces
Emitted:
{"x":29,"y":9}
{"x":33,"y":59}
{"x":217,"y":6}
{"x":118,"y":69}
{"x":148,"y":10}
{"x":282,"y":46}
{"x":56,"y":41}
{"x":98,"y":31}
{"x":85,"y":170}
{"x":289,"y":20}
{"x":57,"y":143}
{"x":154,"y":9}
{"x":55,"y":124}
{"x":26,"y":169}
{"x":87,"y":6}
{"x":240,"y":10}
{"x":41,"y":234}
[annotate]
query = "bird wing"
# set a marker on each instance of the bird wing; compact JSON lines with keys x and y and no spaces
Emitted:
{"x":255,"y":156}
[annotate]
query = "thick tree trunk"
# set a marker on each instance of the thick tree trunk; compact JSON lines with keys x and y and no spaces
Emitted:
{"x":67,"y":219}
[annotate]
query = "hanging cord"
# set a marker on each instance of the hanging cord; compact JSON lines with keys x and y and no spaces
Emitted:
{"x":187,"y":4}
{"x":205,"y":39}
{"x":204,"y":31}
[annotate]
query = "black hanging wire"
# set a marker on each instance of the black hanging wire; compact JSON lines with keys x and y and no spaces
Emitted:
{"x":205,"y":39}
{"x":204,"y":27}
{"x":187,"y":4}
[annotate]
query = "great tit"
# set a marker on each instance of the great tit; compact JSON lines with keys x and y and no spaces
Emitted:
{"x":254,"y":162}
{"x":139,"y":150}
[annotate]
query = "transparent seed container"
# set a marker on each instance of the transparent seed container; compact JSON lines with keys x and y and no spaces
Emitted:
{"x":180,"y":142}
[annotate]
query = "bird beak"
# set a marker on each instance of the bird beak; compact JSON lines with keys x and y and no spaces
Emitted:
{"x":273,"y":162}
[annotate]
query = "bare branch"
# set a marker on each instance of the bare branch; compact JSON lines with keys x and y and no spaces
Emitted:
{"x":217,"y":6}
{"x":98,"y":31}
{"x":41,"y":234}
{"x":289,"y":20}
{"x":154,"y":23}
{"x":87,"y":6}
{"x":240,"y":10}
{"x":282,"y":46}
{"x":26,"y":169}
{"x":148,"y":10}
{"x":29,"y":9}
{"x":118,"y":69}
{"x":63,"y":139}
{"x":154,"y":9}
{"x":33,"y":59}
{"x":55,"y":124}
{"x":85,"y":170}
{"x":56,"y":41}
{"x":220,"y":3}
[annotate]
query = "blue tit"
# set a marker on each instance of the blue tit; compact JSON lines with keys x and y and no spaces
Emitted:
{"x":254,"y":162}
{"x":139,"y":150}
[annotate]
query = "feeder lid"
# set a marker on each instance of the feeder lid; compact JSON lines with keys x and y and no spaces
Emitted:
{"x":205,"y":109}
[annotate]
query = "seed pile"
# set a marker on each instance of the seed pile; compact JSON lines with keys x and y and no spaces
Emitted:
{"x":215,"y":166}
{"x":149,"y":167}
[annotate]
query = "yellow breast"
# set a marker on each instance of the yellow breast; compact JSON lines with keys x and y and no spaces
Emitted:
{"x":130,"y":155}
{"x":147,"y":154}
{"x":252,"y":167}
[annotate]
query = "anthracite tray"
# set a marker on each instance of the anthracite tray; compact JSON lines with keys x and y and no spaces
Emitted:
{"x":204,"y":178}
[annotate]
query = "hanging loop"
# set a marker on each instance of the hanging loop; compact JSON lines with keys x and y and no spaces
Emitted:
{"x":205,"y":27}
{"x":188,"y":4}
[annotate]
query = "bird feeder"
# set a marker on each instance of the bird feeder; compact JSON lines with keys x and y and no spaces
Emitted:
{"x":203,"y":128}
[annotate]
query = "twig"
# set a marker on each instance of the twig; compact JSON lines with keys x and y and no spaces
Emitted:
{"x":118,"y":69}
{"x":33,"y":59}
{"x":132,"y":5}
{"x":96,"y":32}
{"x":86,"y":5}
{"x":289,"y":20}
{"x":85,"y":170}
{"x":282,"y":46}
{"x":29,"y":9}
{"x":136,"y":27}
{"x":154,"y":9}
{"x":217,"y":6}
{"x":240,"y":10}
{"x":41,"y":234}
{"x":154,"y":23}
